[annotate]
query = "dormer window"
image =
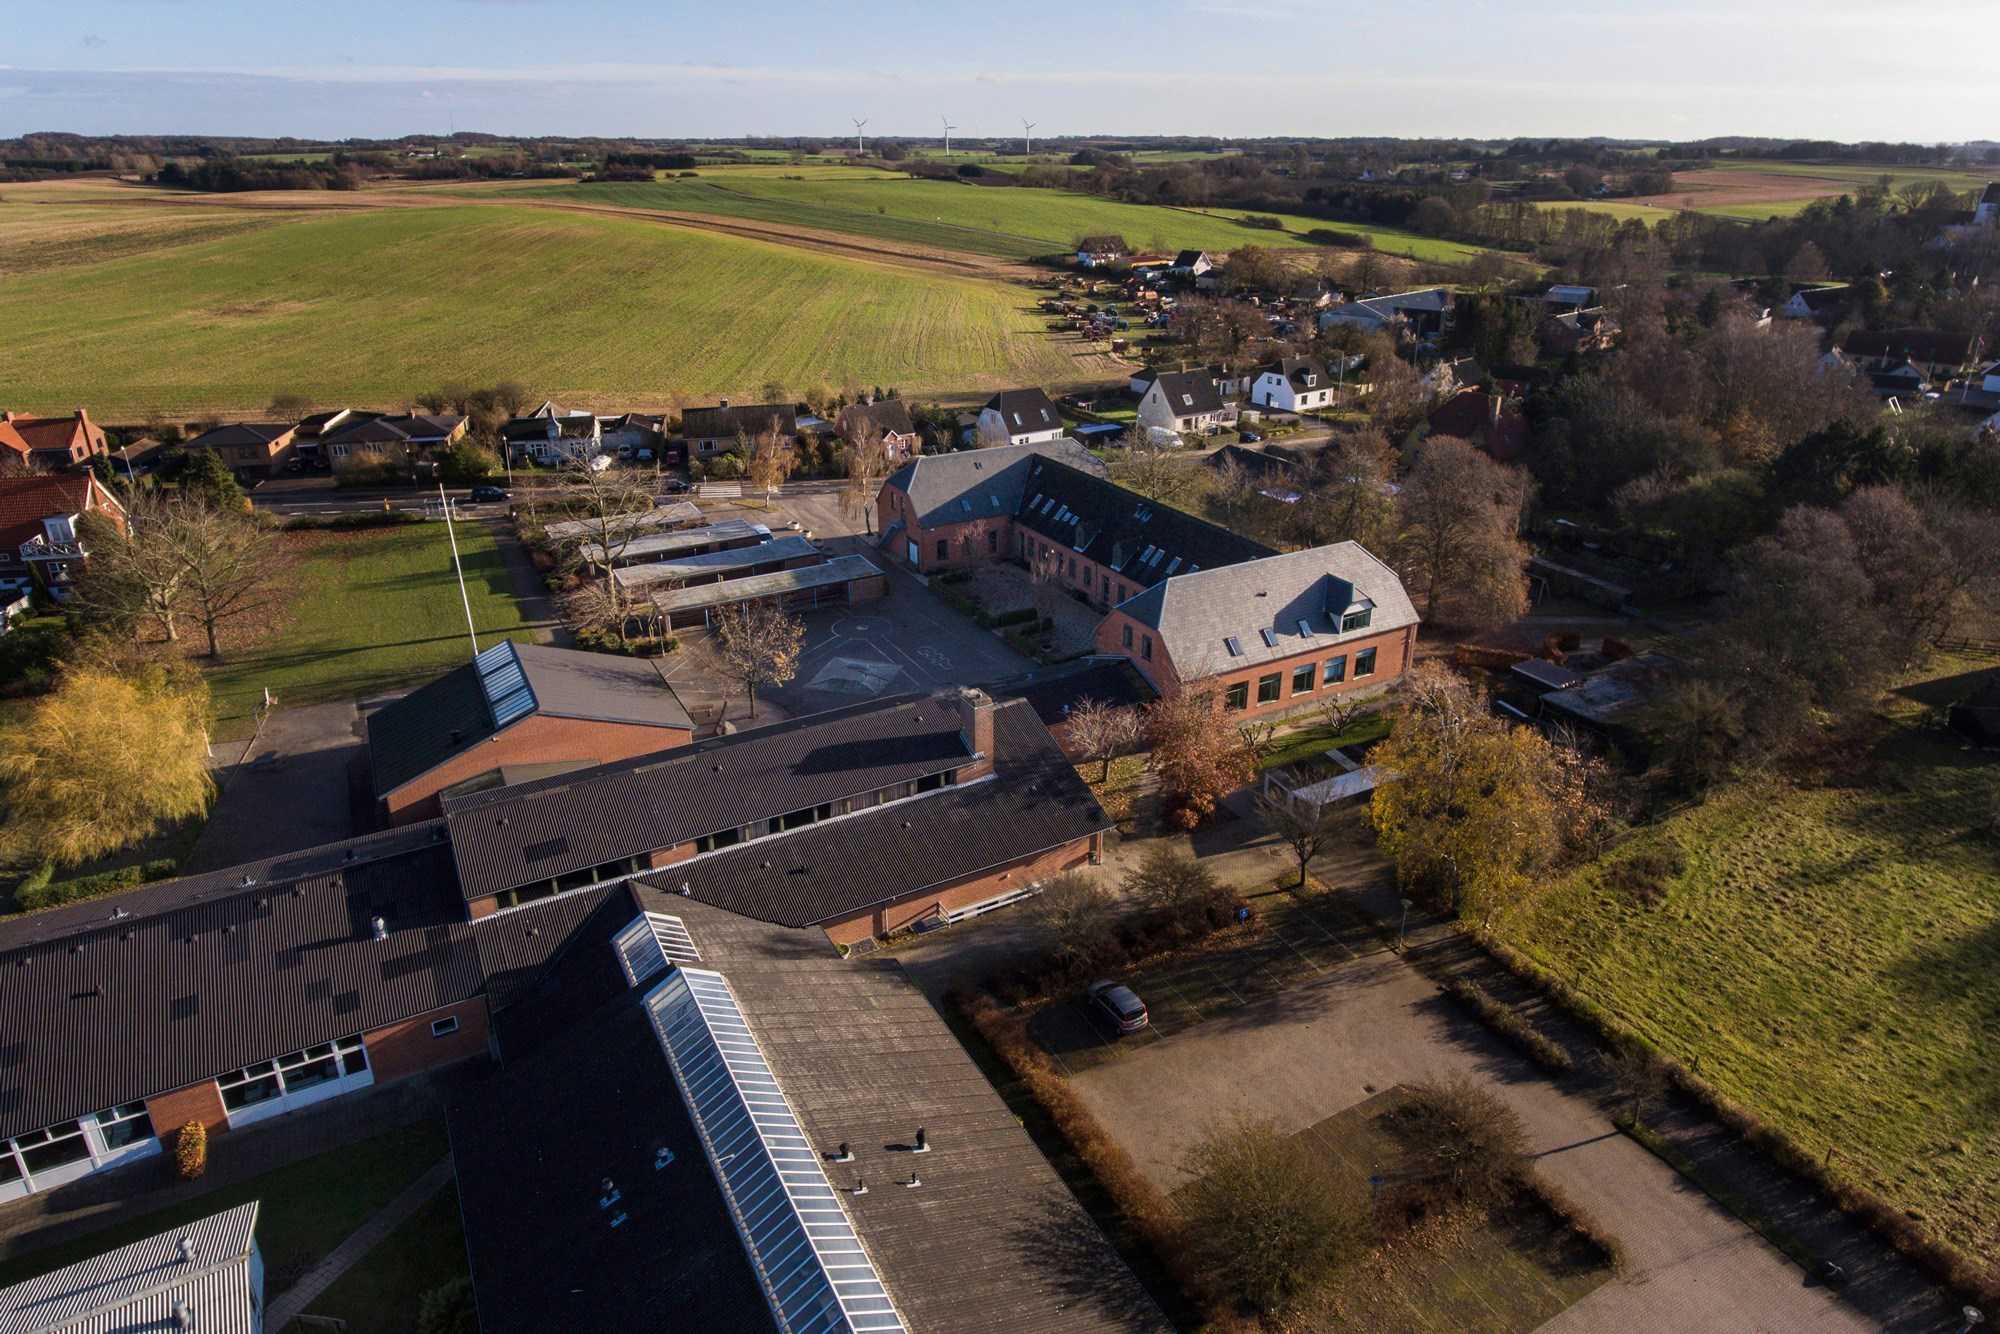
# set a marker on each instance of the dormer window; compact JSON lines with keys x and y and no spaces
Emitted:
{"x":1356,"y":617}
{"x":1311,"y":379}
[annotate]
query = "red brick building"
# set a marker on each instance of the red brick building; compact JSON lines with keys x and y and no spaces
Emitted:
{"x":51,"y":443}
{"x":39,"y":533}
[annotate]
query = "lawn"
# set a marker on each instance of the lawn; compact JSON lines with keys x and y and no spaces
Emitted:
{"x":303,"y":1210}
{"x":1507,"y":1272}
{"x":1829,"y":956}
{"x":382,"y":1293}
{"x":367,"y":610}
{"x":1010,"y":222}
{"x":1315,"y":739}
{"x":1611,"y":208}
{"x":368,"y":307}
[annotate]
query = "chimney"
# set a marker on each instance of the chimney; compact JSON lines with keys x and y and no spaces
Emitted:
{"x":1495,"y":402}
{"x":975,"y":714}
{"x":378,"y":928}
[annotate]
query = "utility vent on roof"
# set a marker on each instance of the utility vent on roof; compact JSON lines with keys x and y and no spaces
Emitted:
{"x":650,"y":942}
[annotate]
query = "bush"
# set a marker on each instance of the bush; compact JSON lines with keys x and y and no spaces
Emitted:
{"x":1344,"y":240}
{"x":37,"y":891}
{"x":1179,"y":888}
{"x":1468,"y":1147}
{"x":1643,"y":878}
{"x":1263,"y":222}
{"x":597,"y":639}
{"x":1002,"y":619}
{"x":356,"y":519}
{"x":448,"y":1308}
{"x":1503,"y":1019}
{"x":191,"y":1151}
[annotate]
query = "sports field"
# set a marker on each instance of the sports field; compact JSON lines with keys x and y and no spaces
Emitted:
{"x":1005,"y":221}
{"x":1830,"y":955}
{"x":370,"y":306}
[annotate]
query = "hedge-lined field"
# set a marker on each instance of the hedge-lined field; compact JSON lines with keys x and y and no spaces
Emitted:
{"x":372,"y":306}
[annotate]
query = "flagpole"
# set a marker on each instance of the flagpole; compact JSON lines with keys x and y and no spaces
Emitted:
{"x":471,"y":634}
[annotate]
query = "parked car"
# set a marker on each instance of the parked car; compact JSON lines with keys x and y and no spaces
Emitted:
{"x":490,"y":495}
{"x":1120,"y":1005}
{"x":675,"y":486}
{"x":644,"y":456}
{"x":1251,"y":437}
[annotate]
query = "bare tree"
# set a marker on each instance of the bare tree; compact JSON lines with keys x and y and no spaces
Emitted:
{"x":1072,"y":915}
{"x":610,"y":505}
{"x":867,"y":466}
{"x":1306,"y":827}
{"x":135,"y":574}
{"x":1160,"y":475}
{"x":1045,"y":574}
{"x":1457,"y":546}
{"x":771,"y":459}
{"x":1639,"y":1075}
{"x":1101,"y":731}
{"x":1340,"y":708}
{"x":760,"y":645}
{"x":228,"y":560}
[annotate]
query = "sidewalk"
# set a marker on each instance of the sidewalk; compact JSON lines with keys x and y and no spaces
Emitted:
{"x":538,"y":605}
{"x":286,"y":1307}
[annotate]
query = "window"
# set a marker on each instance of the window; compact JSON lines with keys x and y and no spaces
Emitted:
{"x":916,"y":554}
{"x":1269,"y":636}
{"x":1356,"y":620}
{"x":1364,"y":663}
{"x":124,"y":1125}
{"x":1302,"y":679}
{"x":1267,"y":688}
{"x":1128,"y":636}
{"x":52,"y":1146}
{"x":294,"y":1073}
{"x":992,"y":541}
{"x":1234,"y":645}
{"x":1237,"y":697}
{"x":1146,"y":647}
{"x":444,"y":1028}
{"x":1336,"y":671}
{"x":944,"y":549}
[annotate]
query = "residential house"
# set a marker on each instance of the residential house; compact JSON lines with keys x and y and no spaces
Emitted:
{"x":255,"y":448}
{"x":1823,"y":302}
{"x":1567,"y":297}
{"x":314,"y":426}
{"x":1940,"y":354}
{"x":240,"y":995}
{"x":1591,"y":330}
{"x":40,"y":538}
{"x":1483,"y":418}
{"x":1986,"y":213}
{"x":517,"y":711}
{"x":555,"y":438}
{"x":711,"y":431}
{"x":1020,"y":417}
{"x":889,"y":419}
{"x":1191,"y":264}
{"x":1424,"y":313}
{"x":409,"y":438}
{"x":1272,"y":634}
{"x":1184,"y":401}
{"x":207,"y":1275}
{"x":1905,"y":380}
{"x":54,"y":442}
{"x":1293,"y":384}
{"x":633,"y":433}
{"x":1094,"y":251}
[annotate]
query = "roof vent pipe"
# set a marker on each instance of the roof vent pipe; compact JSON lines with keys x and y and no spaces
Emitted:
{"x":186,"y":1247}
{"x":183,"y":1315}
{"x":378,"y":928}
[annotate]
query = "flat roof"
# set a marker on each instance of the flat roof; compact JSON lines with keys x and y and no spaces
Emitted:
{"x":789,"y":547}
{"x":660,"y":516}
{"x":686,"y":539}
{"x":839,"y":570}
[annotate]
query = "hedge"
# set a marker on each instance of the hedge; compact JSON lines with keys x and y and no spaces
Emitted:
{"x":37,"y":891}
{"x":356,"y":519}
{"x":191,"y":1151}
{"x":1502,"y":1019}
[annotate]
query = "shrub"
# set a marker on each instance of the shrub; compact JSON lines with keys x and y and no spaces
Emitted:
{"x":1345,"y":240}
{"x":1644,"y":877}
{"x":1179,"y":888}
{"x":355,"y":519}
{"x":37,"y":891}
{"x":1467,"y":1145}
{"x":448,"y":1308}
{"x":191,"y":1151}
{"x":1002,"y":619}
{"x":597,"y":639}
{"x":1262,"y":222}
{"x":1503,"y":1019}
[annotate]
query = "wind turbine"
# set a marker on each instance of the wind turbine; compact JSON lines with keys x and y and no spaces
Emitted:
{"x":1028,"y":137}
{"x":948,"y":128}
{"x":857,"y":136}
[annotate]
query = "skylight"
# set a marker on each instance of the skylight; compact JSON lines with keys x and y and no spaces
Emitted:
{"x":1173,"y":564}
{"x":1234,"y":645}
{"x":1305,"y":627}
{"x":650,"y":942}
{"x":1270,"y":637}
{"x":810,"y":1263}
{"x":508,"y":694}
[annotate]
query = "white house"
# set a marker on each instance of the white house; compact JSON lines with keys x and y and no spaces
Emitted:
{"x":550,"y":439}
{"x":1811,"y":302}
{"x":1294,"y":384}
{"x":1022,"y":416}
{"x":1182,"y":401}
{"x":1191,"y":264}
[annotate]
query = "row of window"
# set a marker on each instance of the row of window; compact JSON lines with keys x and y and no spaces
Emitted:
{"x":1145,"y":644}
{"x":293,"y":1073}
{"x":1306,"y":678}
{"x":69,"y":1141}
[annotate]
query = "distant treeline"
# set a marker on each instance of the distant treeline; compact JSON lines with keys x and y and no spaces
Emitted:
{"x":228,"y":175}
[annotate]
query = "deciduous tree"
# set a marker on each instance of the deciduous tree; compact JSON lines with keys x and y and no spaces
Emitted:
{"x":1456,"y":545}
{"x":1101,"y":731}
{"x":760,"y":645}
{"x":1308,"y":829}
{"x":1199,"y":756}
{"x":610,"y":504}
{"x":229,"y":561}
{"x":771,"y":459}
{"x":1072,"y":915}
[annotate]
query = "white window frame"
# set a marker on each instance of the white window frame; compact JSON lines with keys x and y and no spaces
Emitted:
{"x":445,"y":1027}
{"x":350,"y":1055}
{"x":99,"y":1152}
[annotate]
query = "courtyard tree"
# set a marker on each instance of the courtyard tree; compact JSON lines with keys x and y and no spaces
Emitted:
{"x":1266,"y":1215}
{"x":1072,"y":916}
{"x":1100,"y":731}
{"x":760,"y":645}
{"x":1306,"y":827}
{"x":1456,"y":545}
{"x":1199,"y":756}
{"x":1170,"y":882}
{"x":1348,"y":496}
{"x":103,"y":761}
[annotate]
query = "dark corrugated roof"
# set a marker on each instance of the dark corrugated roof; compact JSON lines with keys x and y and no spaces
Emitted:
{"x":1052,"y":694}
{"x":513,"y":836}
{"x":423,"y":729}
{"x":752,"y":419}
{"x":1189,"y":392}
{"x":132,"y":1007}
{"x":1104,"y":522}
{"x":1034,"y":802}
{"x":515,"y":947}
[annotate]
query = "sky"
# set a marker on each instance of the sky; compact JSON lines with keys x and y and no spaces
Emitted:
{"x":1822,"y":69}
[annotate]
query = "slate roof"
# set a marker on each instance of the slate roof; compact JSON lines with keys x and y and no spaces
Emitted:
{"x":1195,"y":614}
{"x":136,"y":1286}
{"x":941,"y":487}
{"x":1051,"y":694}
{"x":170,"y":984}
{"x":1931,"y":346}
{"x":889,"y":415}
{"x":512,"y":836}
{"x":1299,"y":372}
{"x":374,"y":430}
{"x":1189,"y":393}
{"x":415,"y":734}
{"x":1125,"y":532}
{"x":1253,"y":461}
{"x":1025,"y":411}
{"x":241,"y":433}
{"x":751,"y":419}
{"x":1034,"y":802}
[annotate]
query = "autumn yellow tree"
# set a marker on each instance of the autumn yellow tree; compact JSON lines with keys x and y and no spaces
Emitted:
{"x":1475,"y":808}
{"x":759,"y":645}
{"x":102,"y":761}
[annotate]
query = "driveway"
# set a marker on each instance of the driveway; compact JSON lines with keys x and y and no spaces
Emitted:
{"x":286,"y":791}
{"x":1329,"y":1043}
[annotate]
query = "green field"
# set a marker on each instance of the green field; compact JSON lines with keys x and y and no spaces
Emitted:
{"x":1831,"y":957}
{"x":1611,"y":208}
{"x":1006,"y":221}
{"x":368,"y":610}
{"x":1863,"y":174}
{"x":1784,"y":208}
{"x":371,"y":306}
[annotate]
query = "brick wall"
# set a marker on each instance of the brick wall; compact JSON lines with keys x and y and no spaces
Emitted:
{"x":405,"y":1048}
{"x":902,"y":913}
{"x":1392,"y":652}
{"x":533,"y":740}
{"x":867,"y":590}
{"x":197,"y":1102}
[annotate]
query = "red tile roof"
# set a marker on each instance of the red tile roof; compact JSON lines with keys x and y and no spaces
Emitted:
{"x":26,"y":501}
{"x":10,"y":439}
{"x":64,"y":433}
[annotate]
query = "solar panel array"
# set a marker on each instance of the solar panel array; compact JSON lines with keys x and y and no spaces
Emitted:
{"x":814,"y":1271}
{"x":649,"y":942}
{"x":508,"y":693}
